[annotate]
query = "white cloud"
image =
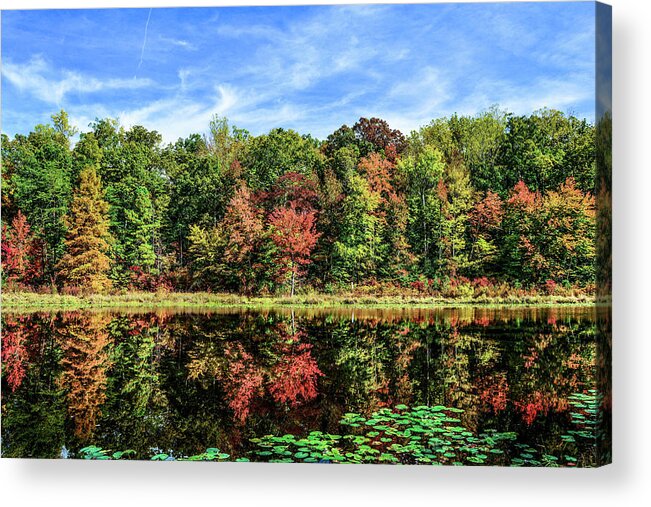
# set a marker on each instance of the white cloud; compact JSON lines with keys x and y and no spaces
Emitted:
{"x":38,"y":78}
{"x":184,"y":44}
{"x":562,"y":93}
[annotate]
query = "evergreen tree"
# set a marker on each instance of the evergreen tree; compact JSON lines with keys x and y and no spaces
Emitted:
{"x":85,"y":263}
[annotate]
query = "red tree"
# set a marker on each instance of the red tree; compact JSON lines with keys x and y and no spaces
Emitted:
{"x":293,"y":187}
{"x":378,"y":133}
{"x":486,"y":216}
{"x":294,"y":233}
{"x":21,"y":255}
{"x":379,"y":174}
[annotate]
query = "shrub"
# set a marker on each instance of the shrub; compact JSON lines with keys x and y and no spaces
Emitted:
{"x":550,"y":287}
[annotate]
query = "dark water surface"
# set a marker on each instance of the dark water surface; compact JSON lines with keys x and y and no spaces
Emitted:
{"x":178,"y":383}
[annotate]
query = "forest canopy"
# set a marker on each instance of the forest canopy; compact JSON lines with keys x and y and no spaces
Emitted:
{"x":464,"y":204}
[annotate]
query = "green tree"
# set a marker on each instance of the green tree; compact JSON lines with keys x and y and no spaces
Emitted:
{"x":269,"y":156}
{"x":422,"y":173}
{"x":456,"y":192}
{"x":198,"y":191}
{"x":41,"y":176}
{"x":132,"y":171}
{"x":207,"y":248}
{"x":547,"y":147}
{"x":357,"y":251}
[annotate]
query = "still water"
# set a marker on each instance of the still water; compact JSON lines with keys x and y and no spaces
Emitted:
{"x":450,"y":386}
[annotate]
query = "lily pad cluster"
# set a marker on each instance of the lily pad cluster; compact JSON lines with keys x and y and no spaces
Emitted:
{"x":422,"y":435}
{"x":402,"y":435}
{"x":97,"y":453}
{"x":587,"y":418}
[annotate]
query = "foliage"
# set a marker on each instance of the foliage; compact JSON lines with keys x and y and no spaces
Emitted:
{"x":22,"y":253}
{"x":510,"y":198}
{"x":86,"y":263}
{"x":173,"y":382}
{"x":294,"y":234}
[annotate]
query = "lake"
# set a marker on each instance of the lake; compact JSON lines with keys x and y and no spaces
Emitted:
{"x":494,"y":386}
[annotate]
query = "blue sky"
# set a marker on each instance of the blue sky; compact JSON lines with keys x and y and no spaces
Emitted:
{"x":310,"y":68}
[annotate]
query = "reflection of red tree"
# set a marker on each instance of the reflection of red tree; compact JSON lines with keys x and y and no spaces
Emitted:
{"x":482,"y":321}
{"x":243,"y":380}
{"x":293,"y":379}
{"x":493,"y":391}
{"x":291,"y":376}
{"x":539,"y":403}
{"x":14,"y":353}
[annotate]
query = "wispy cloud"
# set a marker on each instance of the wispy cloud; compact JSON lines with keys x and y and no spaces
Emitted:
{"x":184,"y":44}
{"x":144,"y":41}
{"x":39,"y":79}
{"x":307,"y":68}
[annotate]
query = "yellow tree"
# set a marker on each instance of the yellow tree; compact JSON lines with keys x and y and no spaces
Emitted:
{"x":86,"y":263}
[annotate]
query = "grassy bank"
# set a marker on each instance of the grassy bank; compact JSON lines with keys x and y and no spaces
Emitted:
{"x":33,"y":301}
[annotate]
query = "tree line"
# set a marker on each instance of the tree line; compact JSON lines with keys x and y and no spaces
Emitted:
{"x":464,"y":204}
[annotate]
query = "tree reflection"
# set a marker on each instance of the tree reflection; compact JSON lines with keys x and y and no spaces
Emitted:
{"x":183,"y":382}
{"x":84,"y":341}
{"x":14,"y":351}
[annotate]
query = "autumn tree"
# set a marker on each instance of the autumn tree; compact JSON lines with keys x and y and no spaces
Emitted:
{"x":243,"y":225}
{"x":292,"y":187}
{"x":21,"y":252}
{"x":86,"y":263}
{"x":374,"y":134}
{"x":485,"y":223}
{"x":568,"y":241}
{"x":391,"y":211}
{"x":293,"y":232}
{"x":521,"y":258}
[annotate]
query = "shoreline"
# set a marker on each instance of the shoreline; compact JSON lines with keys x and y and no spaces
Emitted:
{"x":200,"y":300}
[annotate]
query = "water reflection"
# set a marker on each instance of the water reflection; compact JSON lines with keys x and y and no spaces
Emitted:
{"x":182,"y":382}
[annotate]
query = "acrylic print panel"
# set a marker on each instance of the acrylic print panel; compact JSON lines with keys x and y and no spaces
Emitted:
{"x":308,"y":234}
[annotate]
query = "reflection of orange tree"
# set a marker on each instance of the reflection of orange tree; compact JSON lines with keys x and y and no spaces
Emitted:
{"x":406,"y":346}
{"x":84,"y":341}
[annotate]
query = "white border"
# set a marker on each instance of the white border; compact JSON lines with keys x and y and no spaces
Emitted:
{"x":626,"y":482}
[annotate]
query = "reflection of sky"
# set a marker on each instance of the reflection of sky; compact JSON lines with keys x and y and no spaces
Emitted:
{"x":308,"y":68}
